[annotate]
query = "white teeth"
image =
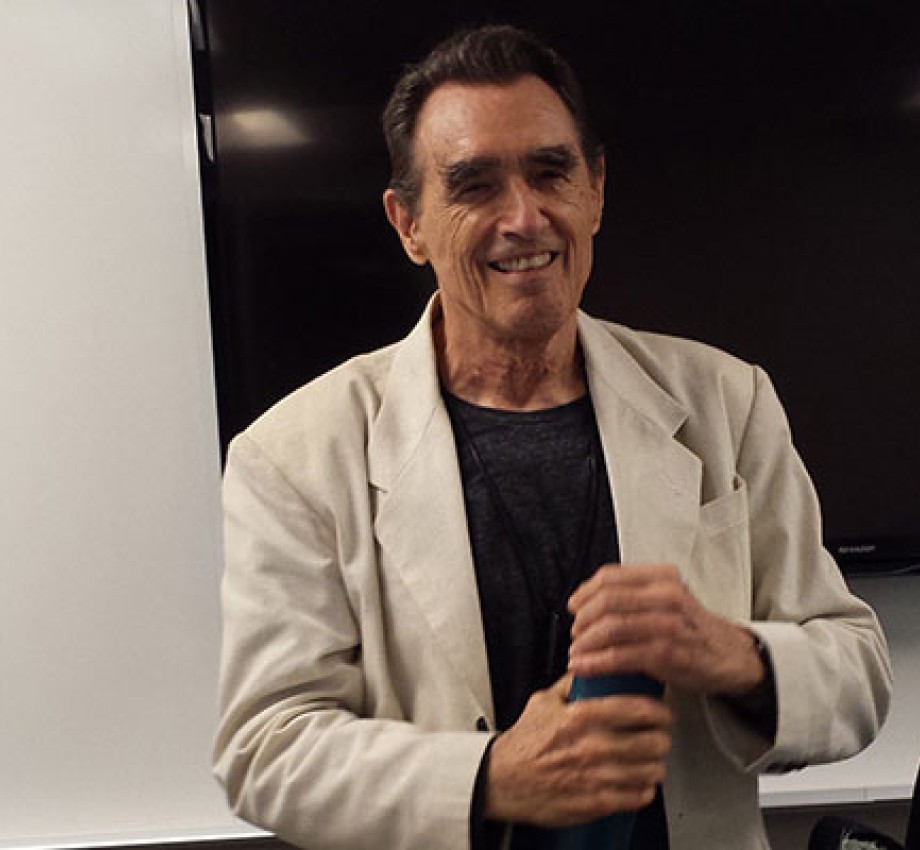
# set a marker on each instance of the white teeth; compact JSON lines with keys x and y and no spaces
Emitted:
{"x":521,"y":264}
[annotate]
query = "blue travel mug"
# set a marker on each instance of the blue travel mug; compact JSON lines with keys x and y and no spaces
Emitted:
{"x":612,"y":832}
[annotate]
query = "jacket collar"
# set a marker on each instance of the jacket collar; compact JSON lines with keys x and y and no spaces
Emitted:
{"x":421,"y":517}
{"x":421,"y":521}
{"x":412,"y":397}
{"x":654,"y":478}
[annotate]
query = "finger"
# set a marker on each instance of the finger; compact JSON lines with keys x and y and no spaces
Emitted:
{"x":627,"y":588}
{"x":644,"y":766}
{"x":625,"y":575}
{"x":562,"y":687}
{"x":620,"y":713}
{"x":618,"y":797}
{"x":601,"y":800}
{"x":621,"y":761}
{"x":664,"y":621}
{"x":623,"y":660}
{"x":667,"y":656}
{"x":664,"y":595}
{"x":588,"y":587}
{"x":630,"y":748}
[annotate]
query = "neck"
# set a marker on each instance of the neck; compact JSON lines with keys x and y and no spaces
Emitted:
{"x":512,"y":374}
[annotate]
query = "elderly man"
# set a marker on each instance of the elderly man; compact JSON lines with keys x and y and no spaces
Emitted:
{"x":426,"y":544}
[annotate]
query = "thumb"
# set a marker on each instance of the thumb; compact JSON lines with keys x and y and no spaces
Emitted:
{"x":562,"y":686}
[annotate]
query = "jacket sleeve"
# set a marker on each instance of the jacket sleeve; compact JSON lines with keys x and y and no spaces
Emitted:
{"x":294,"y":750}
{"x":829,"y":656}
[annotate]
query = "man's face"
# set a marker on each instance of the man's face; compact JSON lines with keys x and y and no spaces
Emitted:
{"x":507,"y":210}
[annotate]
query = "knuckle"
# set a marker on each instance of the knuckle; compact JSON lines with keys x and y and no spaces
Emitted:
{"x":646,"y":795}
{"x":663,"y":744}
{"x":608,"y":571}
{"x":587,"y":713}
{"x":575,"y":718}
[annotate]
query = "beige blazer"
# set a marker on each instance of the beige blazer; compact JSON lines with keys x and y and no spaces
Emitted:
{"x":354,"y":681}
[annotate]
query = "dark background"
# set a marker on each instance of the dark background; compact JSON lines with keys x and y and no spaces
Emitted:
{"x":763,"y":195}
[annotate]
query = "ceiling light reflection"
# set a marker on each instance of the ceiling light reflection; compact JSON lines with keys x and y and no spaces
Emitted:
{"x":265,"y":128}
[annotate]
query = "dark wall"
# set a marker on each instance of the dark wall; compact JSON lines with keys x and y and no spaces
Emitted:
{"x":763,"y":195}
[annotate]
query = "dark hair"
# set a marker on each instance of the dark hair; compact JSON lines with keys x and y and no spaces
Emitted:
{"x":485,"y":55}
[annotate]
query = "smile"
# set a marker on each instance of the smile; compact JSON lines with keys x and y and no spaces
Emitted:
{"x":524,"y":264}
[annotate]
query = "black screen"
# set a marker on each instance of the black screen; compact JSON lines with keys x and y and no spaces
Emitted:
{"x":763,"y":195}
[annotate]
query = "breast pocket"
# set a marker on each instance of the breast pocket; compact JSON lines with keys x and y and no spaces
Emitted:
{"x":720,"y":574}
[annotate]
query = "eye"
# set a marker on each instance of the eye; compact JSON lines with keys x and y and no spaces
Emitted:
{"x":550,"y":177}
{"x":473,"y":191}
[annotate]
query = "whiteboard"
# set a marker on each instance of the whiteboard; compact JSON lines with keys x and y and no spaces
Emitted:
{"x":109,"y":514}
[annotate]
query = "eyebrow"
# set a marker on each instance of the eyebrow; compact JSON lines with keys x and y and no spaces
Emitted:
{"x":457,"y":174}
{"x":560,"y":156}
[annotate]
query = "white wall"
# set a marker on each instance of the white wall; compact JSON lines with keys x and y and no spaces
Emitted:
{"x":109,"y":514}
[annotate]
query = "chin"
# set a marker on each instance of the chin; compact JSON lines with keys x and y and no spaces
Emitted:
{"x":535,"y":322}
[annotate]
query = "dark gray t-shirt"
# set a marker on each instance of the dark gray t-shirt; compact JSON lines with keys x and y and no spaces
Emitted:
{"x":540,"y":517}
{"x":541,"y":520}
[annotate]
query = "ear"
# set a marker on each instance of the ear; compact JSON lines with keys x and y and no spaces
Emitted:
{"x":406,"y":225}
{"x":597,"y":182}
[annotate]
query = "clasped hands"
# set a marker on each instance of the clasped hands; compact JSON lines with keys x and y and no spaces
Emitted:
{"x":564,"y":763}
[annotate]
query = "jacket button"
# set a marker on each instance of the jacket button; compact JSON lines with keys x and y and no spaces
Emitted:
{"x":481,"y":724}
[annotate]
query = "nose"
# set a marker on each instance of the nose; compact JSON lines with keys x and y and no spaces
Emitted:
{"x":523,"y":214}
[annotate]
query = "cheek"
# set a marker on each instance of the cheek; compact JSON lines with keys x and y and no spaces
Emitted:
{"x":579,"y":206}
{"x":455,"y":227}
{"x":585,"y":203}
{"x":461,"y":242}
{"x":453,"y":250}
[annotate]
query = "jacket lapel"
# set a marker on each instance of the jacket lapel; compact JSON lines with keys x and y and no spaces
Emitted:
{"x":655,"y":480}
{"x":421,"y":517}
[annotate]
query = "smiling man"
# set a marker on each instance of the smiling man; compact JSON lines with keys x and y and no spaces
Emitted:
{"x":425,"y":545}
{"x":506,"y":214}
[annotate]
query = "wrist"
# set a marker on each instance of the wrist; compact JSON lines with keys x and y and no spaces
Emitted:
{"x":757,"y":705}
{"x":753,"y":668}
